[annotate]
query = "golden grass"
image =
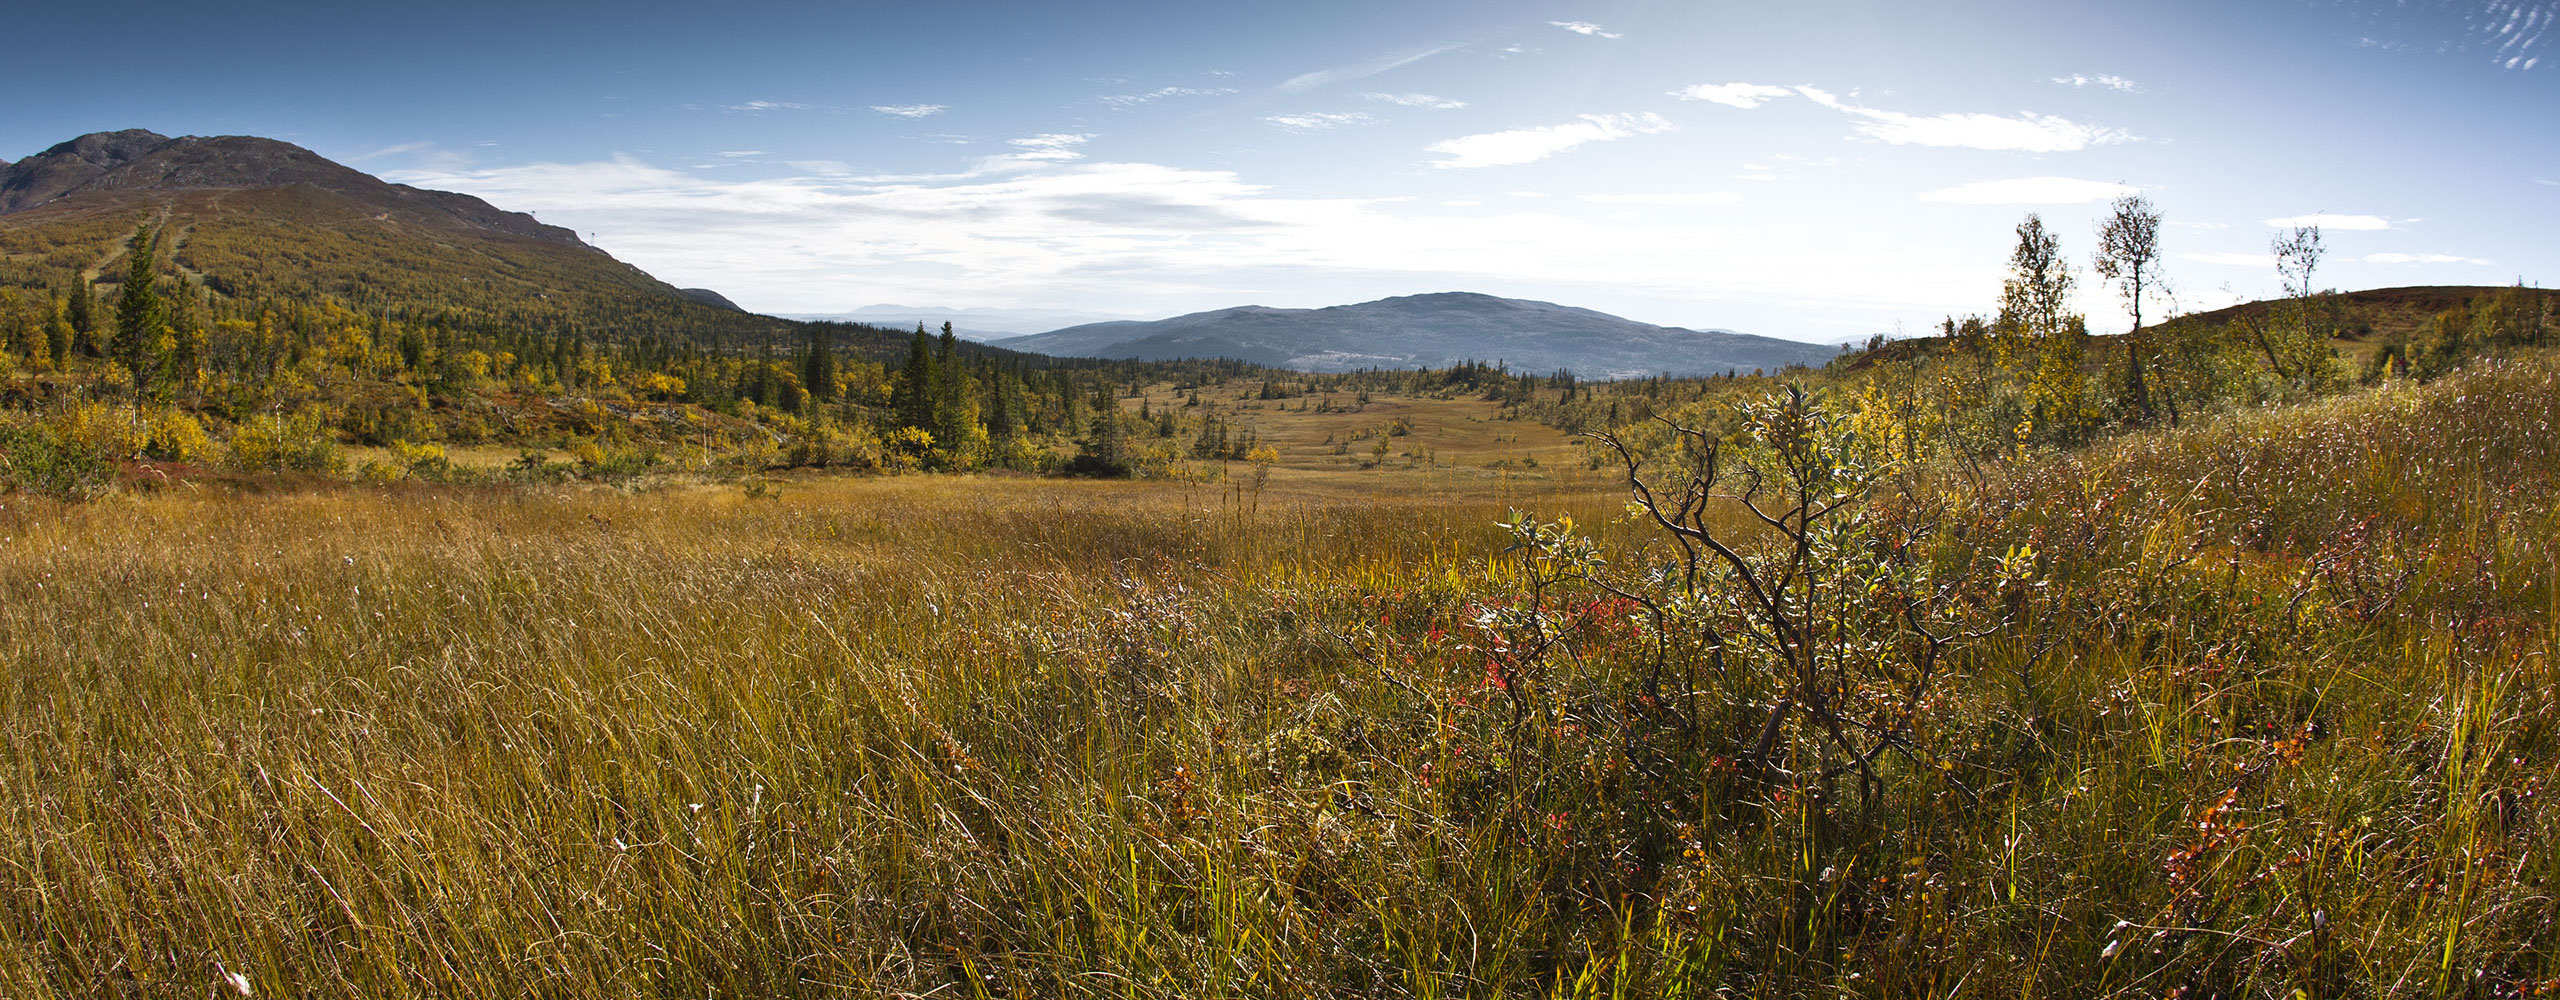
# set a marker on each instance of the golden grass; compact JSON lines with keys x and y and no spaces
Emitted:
{"x":959,"y":736}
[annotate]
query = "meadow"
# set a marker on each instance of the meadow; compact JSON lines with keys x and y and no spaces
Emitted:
{"x":2259,"y":706}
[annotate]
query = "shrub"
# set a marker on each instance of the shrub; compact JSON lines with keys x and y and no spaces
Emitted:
{"x":173,"y":435}
{"x":38,"y":458}
{"x":274,"y":443}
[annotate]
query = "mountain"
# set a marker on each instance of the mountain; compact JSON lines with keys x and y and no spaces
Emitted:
{"x":255,"y":218}
{"x":1430,"y":331}
{"x":137,"y":160}
{"x":710,"y":298}
{"x":980,"y":323}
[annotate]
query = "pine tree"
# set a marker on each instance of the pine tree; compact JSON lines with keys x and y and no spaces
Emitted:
{"x":954,"y":420}
{"x":818,"y":368}
{"x":138,"y":312}
{"x":59,"y":334}
{"x":83,"y":318}
{"x":911,"y":400}
{"x":1105,"y":451}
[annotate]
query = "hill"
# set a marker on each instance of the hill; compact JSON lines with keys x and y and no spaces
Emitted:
{"x":254,"y":218}
{"x":1430,"y":331}
{"x":2372,"y":313}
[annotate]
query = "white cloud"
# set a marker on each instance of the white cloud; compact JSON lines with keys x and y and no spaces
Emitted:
{"x":2324,"y":220}
{"x":1320,"y":121}
{"x":1047,"y":147}
{"x":2107,"y":80}
{"x":910,"y":110}
{"x":406,"y":147}
{"x":2264,"y":260}
{"x":756,"y":106}
{"x":1424,"y":101}
{"x":736,"y":154}
{"x":1497,"y":149}
{"x":2029,"y":132}
{"x":1586,"y":28}
{"x":1740,"y":95}
{"x":2420,"y":258}
{"x":2546,"y":182}
{"x":1160,"y":93}
{"x":2030,"y":191}
{"x":1154,"y":239}
{"x":1683,"y":200}
{"x":1356,"y":71}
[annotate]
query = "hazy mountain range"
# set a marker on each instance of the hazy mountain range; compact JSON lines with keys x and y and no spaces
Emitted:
{"x":1431,"y":331}
{"x":976,"y":323}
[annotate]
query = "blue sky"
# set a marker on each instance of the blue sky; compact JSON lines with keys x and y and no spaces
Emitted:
{"x":1813,"y":171}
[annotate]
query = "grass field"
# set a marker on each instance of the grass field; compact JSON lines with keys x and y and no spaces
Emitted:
{"x":2269,"y":712}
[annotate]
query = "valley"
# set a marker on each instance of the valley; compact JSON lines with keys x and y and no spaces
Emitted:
{"x":401,"y":597}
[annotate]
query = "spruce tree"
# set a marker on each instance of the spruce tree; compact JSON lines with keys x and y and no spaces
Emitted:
{"x":818,"y":368}
{"x":83,"y":317}
{"x":911,"y":400}
{"x":949,"y":400}
{"x":138,"y":312}
{"x":59,"y":334}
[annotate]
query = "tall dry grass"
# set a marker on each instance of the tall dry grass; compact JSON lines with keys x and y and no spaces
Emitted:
{"x":992,"y":737}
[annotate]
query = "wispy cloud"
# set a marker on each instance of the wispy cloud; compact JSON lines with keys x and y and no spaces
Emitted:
{"x":2029,"y":191}
{"x":1320,"y":121}
{"x":1431,"y":102}
{"x":2028,"y":132}
{"x":740,"y":154}
{"x":910,"y":110}
{"x":1586,"y":28}
{"x":752,"y":107}
{"x":1161,"y":93}
{"x":2107,"y":80}
{"x":406,"y":147}
{"x":1047,"y":147}
{"x":1363,"y":70}
{"x":2513,"y":34}
{"x":2420,"y":258}
{"x":1740,"y":95}
{"x":1678,"y":200}
{"x":1496,"y":149}
{"x":2325,"y":220}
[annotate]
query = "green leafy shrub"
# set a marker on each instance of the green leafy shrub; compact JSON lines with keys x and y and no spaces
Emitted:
{"x":275,"y":443}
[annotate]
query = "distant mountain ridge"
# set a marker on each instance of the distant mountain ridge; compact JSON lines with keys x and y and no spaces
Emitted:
{"x":981,"y":323}
{"x":1431,"y":331}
